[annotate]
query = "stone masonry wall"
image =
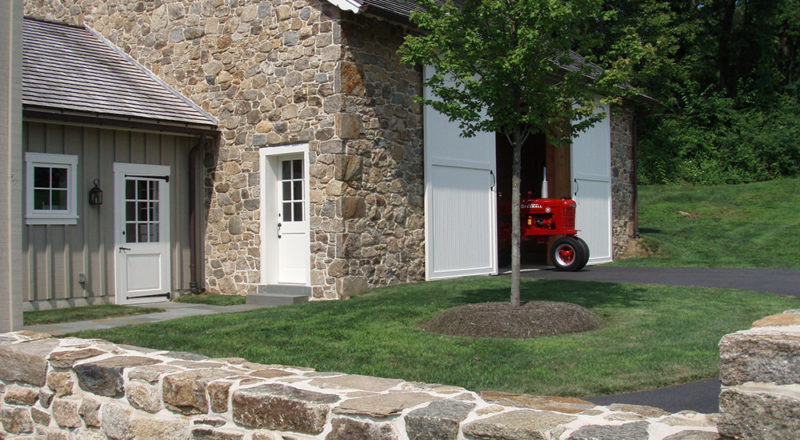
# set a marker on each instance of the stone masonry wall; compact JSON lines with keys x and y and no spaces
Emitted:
{"x":760,"y":374}
{"x":622,"y":183}
{"x":64,"y":389}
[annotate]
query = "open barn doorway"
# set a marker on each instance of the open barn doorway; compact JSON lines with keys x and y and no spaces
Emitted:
{"x":537,"y":154}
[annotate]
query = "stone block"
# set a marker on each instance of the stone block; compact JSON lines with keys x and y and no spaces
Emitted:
{"x":627,"y":431}
{"x":766,"y":354}
{"x":383,"y":405}
{"x":66,"y":359}
{"x":151,"y":428}
{"x":693,"y":435}
{"x":760,"y":411}
{"x":65,"y":413}
{"x":351,"y":285}
{"x":26,"y":362}
{"x":218,"y":396}
{"x":214,"y":434}
{"x":517,"y":425}
{"x":349,"y":429}
{"x":348,"y":125}
{"x":90,"y":412}
{"x":60,"y":382}
{"x":115,"y":421}
{"x":282,"y":407}
{"x":439,"y":420}
{"x":347,"y":168}
{"x":356,"y":382}
{"x":569,"y":405}
{"x":143,"y":396}
{"x":352,"y":79}
{"x":40,"y":417}
{"x":105,"y":377}
{"x":17,"y":395}
{"x":186,"y":392}
{"x":151,"y":373}
{"x":16,"y":420}
{"x":779,"y":320}
{"x":353,"y":207}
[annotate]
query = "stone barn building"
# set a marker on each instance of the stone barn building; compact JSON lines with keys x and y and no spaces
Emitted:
{"x":323,"y":177}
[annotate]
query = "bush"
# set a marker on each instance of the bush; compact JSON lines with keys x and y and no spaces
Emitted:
{"x":714,"y":139}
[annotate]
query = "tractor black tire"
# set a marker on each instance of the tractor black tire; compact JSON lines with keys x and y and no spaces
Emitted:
{"x":568,"y":254}
{"x":585,"y":253}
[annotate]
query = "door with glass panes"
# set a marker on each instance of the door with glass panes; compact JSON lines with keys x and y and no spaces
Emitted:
{"x":292,"y":226}
{"x":142,"y":242}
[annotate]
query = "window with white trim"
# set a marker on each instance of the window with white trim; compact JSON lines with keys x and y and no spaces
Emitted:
{"x":51,"y":189}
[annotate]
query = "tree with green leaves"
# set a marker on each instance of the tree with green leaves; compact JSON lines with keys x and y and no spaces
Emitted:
{"x":513,"y":67}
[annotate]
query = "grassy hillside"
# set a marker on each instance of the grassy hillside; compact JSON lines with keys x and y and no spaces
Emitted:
{"x":748,"y":225}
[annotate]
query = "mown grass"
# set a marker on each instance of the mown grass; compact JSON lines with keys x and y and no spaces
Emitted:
{"x":751,"y":225}
{"x":653,"y":336}
{"x":213,"y":300}
{"x":83,"y":313}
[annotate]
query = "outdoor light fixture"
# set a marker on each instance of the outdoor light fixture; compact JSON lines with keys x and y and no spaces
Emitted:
{"x":96,"y":194}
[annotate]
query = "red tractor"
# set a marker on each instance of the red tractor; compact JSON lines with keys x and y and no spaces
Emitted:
{"x":543,"y":218}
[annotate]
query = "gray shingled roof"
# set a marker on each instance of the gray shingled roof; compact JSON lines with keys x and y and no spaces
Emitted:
{"x":400,"y":8}
{"x":71,"y":68}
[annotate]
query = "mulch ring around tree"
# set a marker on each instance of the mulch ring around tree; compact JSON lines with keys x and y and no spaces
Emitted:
{"x":502,"y":320}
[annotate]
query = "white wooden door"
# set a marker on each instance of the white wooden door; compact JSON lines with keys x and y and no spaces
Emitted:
{"x":285,"y":250}
{"x":293,"y":240}
{"x":591,"y":188}
{"x":460,"y":199}
{"x":142,"y":242}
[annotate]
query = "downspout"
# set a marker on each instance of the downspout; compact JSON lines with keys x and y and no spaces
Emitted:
{"x":193,"y":283}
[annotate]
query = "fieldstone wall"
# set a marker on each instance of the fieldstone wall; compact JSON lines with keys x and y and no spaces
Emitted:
{"x":760,"y":374}
{"x":622,"y":179}
{"x":91,"y":389}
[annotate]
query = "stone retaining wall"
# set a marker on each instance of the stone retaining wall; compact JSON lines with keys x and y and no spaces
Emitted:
{"x":92,"y":389}
{"x":760,"y":374}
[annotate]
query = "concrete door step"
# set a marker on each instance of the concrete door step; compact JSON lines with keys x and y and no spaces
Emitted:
{"x":279,"y":294}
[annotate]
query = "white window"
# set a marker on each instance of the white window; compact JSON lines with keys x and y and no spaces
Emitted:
{"x":51,"y":188}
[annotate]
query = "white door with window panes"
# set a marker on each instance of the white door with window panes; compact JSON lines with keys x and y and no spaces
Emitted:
{"x":142,"y":242}
{"x":292,"y":221}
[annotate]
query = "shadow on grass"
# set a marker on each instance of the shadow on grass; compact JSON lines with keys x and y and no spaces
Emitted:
{"x":586,"y":294}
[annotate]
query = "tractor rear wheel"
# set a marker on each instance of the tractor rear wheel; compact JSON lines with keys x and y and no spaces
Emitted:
{"x":568,"y":254}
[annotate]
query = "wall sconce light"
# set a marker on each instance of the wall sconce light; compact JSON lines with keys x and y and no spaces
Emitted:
{"x":96,"y":194}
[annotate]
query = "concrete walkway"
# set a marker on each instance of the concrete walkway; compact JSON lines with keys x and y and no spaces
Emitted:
{"x":172,"y":310}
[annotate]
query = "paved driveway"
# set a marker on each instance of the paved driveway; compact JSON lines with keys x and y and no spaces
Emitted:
{"x":781,"y":281}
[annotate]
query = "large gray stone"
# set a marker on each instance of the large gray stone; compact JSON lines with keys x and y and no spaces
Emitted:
{"x":517,"y":425}
{"x":693,"y":435}
{"x":186,"y":392}
{"x":760,"y":411}
{"x":767,"y":354}
{"x":26,"y":362}
{"x":356,"y":382}
{"x":383,"y":405}
{"x":439,"y":420}
{"x":282,"y":407}
{"x":628,"y":431}
{"x":105,"y":377}
{"x":349,"y":429}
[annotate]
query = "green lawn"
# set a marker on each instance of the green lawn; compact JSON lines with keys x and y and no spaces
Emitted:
{"x":214,"y":300}
{"x":83,"y":313}
{"x":654,"y":336}
{"x":750,"y":225}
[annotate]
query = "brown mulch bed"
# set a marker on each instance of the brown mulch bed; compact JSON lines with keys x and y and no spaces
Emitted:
{"x":501,"y":320}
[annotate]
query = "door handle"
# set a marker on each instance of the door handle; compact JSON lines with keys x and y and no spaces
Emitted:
{"x":577,"y":186}
{"x":279,"y":230}
{"x":124,"y":248}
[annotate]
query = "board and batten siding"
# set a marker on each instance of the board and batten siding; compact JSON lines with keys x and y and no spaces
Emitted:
{"x":55,"y":255}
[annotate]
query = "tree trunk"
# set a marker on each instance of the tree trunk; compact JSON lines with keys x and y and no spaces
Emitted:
{"x":516,"y":179}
